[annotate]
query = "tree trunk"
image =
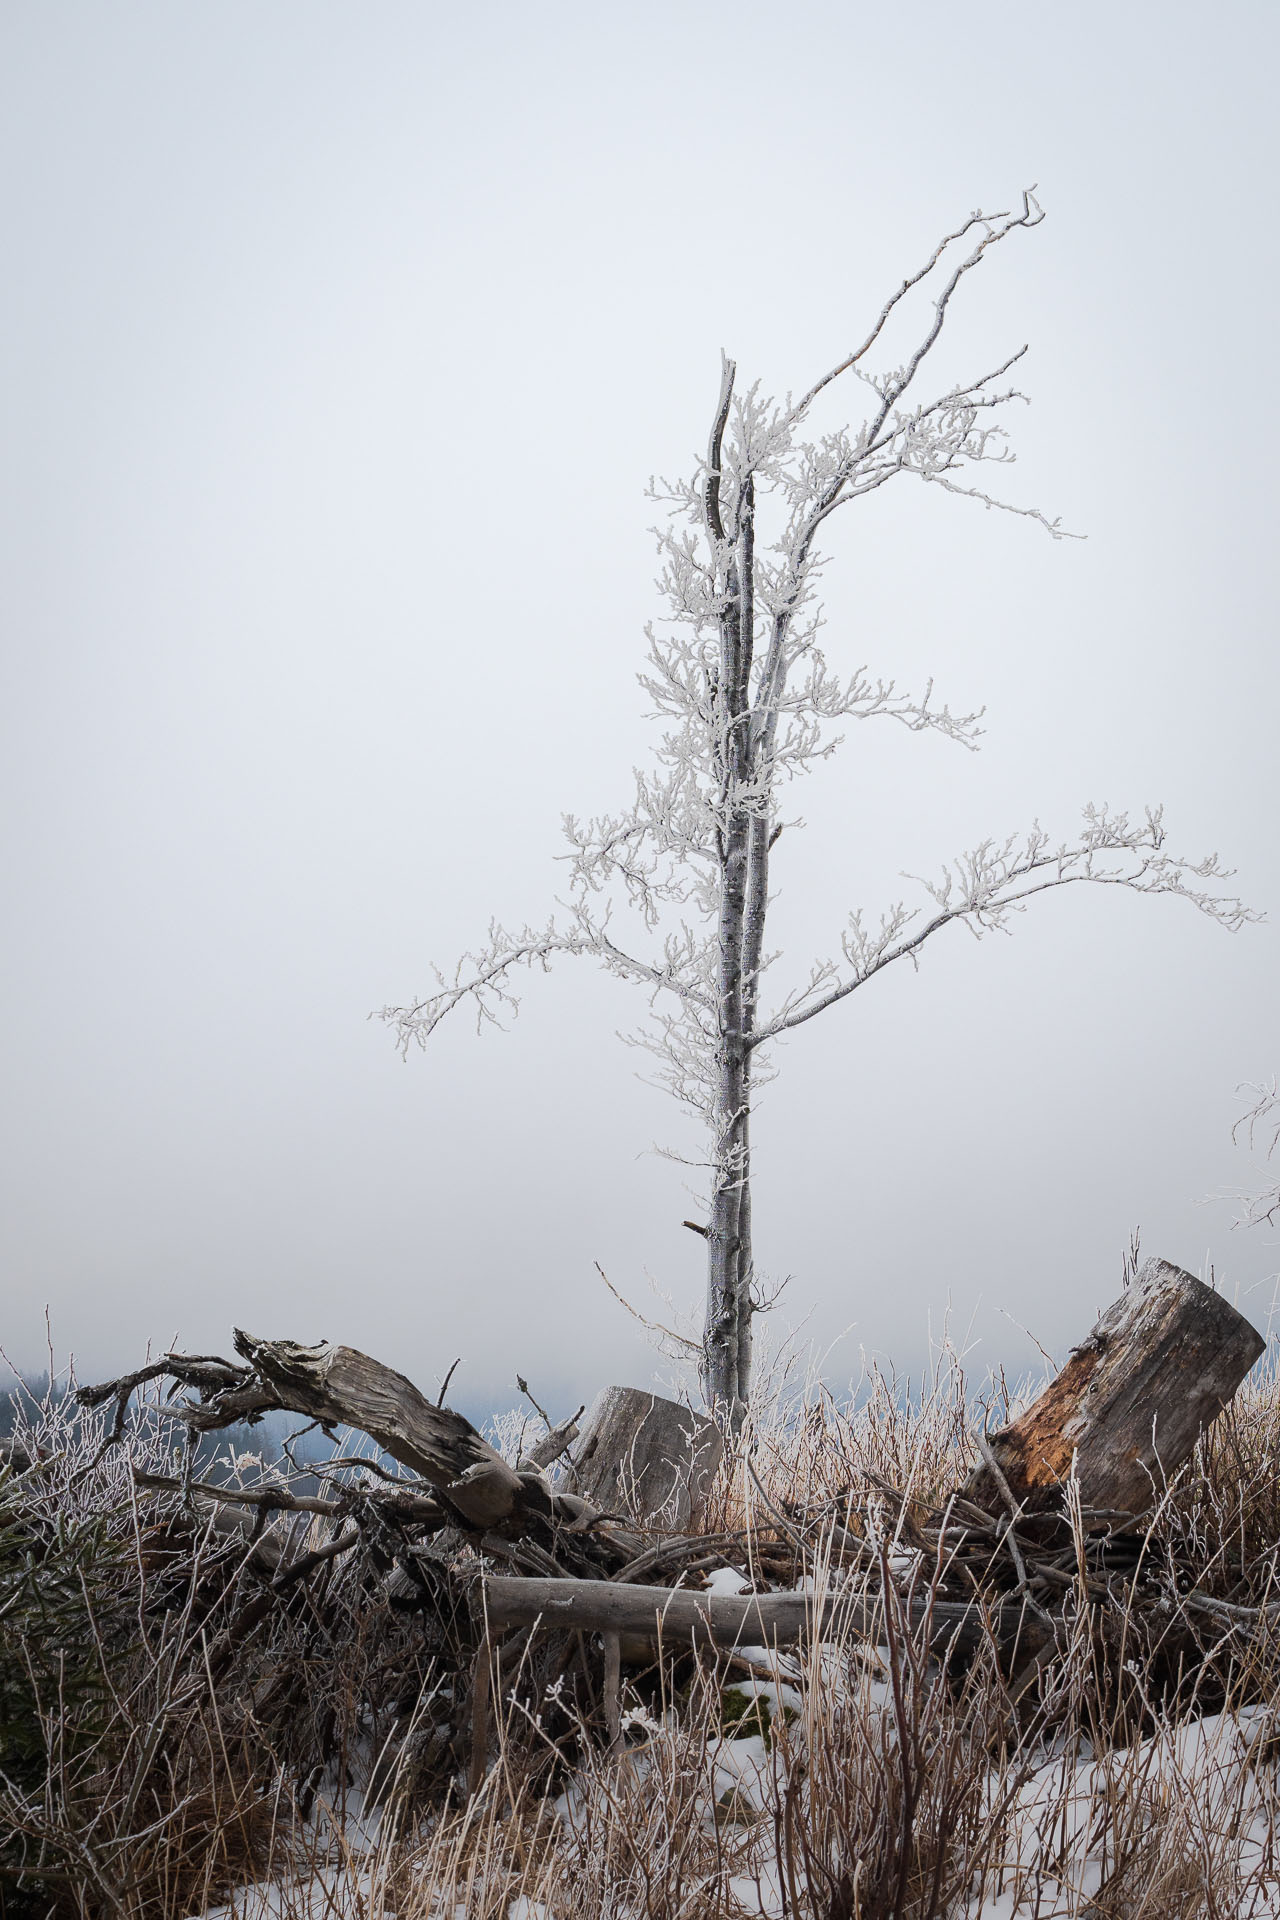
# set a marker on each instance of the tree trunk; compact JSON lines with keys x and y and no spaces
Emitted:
{"x":648,"y":1458}
{"x":725,"y":1378}
{"x":757,"y":903}
{"x":722,"y":1333}
{"x":1127,"y":1408}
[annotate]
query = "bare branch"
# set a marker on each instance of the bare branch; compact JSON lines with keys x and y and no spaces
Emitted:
{"x":711,"y":497}
{"x":1031,"y":216}
{"x":482,"y":979}
{"x":984,"y":888}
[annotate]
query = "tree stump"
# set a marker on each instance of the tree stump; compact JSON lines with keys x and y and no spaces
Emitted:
{"x":1130,"y":1403}
{"x":646,"y":1457}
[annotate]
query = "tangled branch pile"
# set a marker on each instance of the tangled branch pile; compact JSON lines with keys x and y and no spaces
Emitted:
{"x":830,"y":1692}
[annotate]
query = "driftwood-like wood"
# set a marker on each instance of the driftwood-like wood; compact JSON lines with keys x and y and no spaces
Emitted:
{"x":646,"y":1457}
{"x":1130,"y":1403}
{"x":342,"y":1387}
{"x":674,"y":1614}
{"x":339,"y":1386}
{"x":555,"y":1442}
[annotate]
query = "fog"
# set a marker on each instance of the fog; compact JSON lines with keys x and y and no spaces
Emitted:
{"x":339,"y":344}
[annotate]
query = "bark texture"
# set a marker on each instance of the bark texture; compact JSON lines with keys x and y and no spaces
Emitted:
{"x":726,"y":1620}
{"x":648,"y":1458}
{"x":1131,"y":1401}
{"x":727,"y":1337}
{"x":340,"y":1386}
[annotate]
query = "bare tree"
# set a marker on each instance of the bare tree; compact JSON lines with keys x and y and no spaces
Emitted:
{"x":748,"y":702}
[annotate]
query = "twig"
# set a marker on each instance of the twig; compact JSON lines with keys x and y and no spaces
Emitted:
{"x":611,"y":1690}
{"x":1015,"y":1514}
{"x":691,"y":1347}
{"x":674,"y":1549}
{"x":269,"y":1498}
{"x":479,"y":1717}
{"x":796,"y":1538}
{"x":523,"y":1387}
{"x":298,"y":1569}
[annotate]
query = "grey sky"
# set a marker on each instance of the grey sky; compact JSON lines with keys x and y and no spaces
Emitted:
{"x":338,"y":345}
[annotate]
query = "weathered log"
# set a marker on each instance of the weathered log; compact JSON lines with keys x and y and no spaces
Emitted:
{"x":1129,"y":1405}
{"x":342,"y":1387}
{"x":338,"y":1386}
{"x":333,"y":1385}
{"x":674,"y":1614}
{"x":649,"y":1458}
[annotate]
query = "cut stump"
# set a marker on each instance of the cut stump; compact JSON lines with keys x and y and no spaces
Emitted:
{"x":648,"y":1458}
{"x":1130,"y":1403}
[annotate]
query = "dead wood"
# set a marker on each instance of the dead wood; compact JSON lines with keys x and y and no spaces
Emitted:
{"x":1125,"y":1412}
{"x":554,"y":1443}
{"x":339,"y":1386}
{"x":649,"y":1458}
{"x":675,"y":1614}
{"x":1000,"y":1566}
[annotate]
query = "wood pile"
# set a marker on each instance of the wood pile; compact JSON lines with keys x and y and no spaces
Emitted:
{"x":588,"y":1552}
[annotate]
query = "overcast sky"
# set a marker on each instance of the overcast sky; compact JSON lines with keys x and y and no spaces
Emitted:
{"x":338,"y":343}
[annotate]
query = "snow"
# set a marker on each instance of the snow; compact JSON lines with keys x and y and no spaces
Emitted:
{"x":760,"y":1892}
{"x":334,"y":1894}
{"x":1065,"y":1825}
{"x":1063,"y":1839}
{"x":778,"y":1693}
{"x":771,"y":1660}
{"x":727,"y":1580}
{"x":741,"y":1768}
{"x":338,"y":1881}
{"x":330,"y":1893}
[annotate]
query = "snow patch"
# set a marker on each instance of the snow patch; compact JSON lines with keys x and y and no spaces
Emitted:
{"x":727,"y":1580}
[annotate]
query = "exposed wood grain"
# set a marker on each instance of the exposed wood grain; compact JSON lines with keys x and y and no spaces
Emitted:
{"x":1131,"y":1401}
{"x":343,"y":1387}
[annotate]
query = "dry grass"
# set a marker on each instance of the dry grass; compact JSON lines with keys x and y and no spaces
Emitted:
{"x":191,"y":1748}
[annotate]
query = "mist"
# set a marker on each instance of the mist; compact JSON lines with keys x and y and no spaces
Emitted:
{"x":339,"y":347}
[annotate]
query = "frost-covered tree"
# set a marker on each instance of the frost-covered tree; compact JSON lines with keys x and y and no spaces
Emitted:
{"x":747,"y":703}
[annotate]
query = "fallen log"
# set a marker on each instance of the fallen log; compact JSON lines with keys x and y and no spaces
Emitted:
{"x":649,"y":1458}
{"x":1129,"y":1405}
{"x":750,"y":1619}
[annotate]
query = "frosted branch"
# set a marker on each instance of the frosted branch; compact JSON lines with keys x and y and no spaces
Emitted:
{"x":984,"y":888}
{"x":482,"y":980}
{"x":994,"y":228}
